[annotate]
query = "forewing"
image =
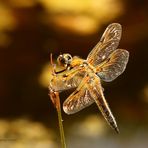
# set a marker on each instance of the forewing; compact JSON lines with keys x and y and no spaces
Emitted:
{"x":114,"y":66}
{"x":79,"y":99}
{"x":107,"y":44}
{"x":66,"y":80}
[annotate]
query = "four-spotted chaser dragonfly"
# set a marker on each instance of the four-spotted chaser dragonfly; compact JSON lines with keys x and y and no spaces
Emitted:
{"x":104,"y":62}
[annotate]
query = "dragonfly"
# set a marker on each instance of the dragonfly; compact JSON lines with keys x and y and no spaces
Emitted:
{"x":104,"y":63}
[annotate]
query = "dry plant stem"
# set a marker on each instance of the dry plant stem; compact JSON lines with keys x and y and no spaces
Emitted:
{"x":56,"y":101}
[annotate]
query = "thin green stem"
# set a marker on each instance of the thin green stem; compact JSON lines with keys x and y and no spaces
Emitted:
{"x":56,"y":101}
{"x":61,"y":126}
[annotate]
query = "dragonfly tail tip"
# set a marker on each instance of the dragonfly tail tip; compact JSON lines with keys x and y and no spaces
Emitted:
{"x":117,"y":130}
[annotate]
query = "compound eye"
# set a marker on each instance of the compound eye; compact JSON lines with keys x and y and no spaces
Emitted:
{"x":69,"y":57}
{"x":64,"y":59}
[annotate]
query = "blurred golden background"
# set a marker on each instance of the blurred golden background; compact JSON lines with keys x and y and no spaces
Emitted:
{"x":29,"y":31}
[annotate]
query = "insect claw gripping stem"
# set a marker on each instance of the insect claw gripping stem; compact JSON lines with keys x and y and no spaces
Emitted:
{"x":52,"y":96}
{"x":52,"y":93}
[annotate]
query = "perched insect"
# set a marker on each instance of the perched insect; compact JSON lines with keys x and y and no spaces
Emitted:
{"x":104,"y":62}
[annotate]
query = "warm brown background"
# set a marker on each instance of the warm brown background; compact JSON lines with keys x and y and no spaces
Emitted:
{"x":30,"y":30}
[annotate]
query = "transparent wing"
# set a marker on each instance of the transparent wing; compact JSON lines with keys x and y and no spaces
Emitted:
{"x":114,"y":65}
{"x":78,"y":100}
{"x":89,"y":90}
{"x":107,"y":44}
{"x":66,"y":80}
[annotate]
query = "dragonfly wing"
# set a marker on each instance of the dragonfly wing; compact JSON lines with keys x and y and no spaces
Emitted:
{"x":79,"y":99}
{"x":97,"y":94}
{"x":89,"y":90}
{"x":114,"y":66}
{"x":107,"y":44}
{"x":66,"y":80}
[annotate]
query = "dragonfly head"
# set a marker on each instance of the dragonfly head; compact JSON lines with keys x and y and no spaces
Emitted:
{"x":64,"y":59}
